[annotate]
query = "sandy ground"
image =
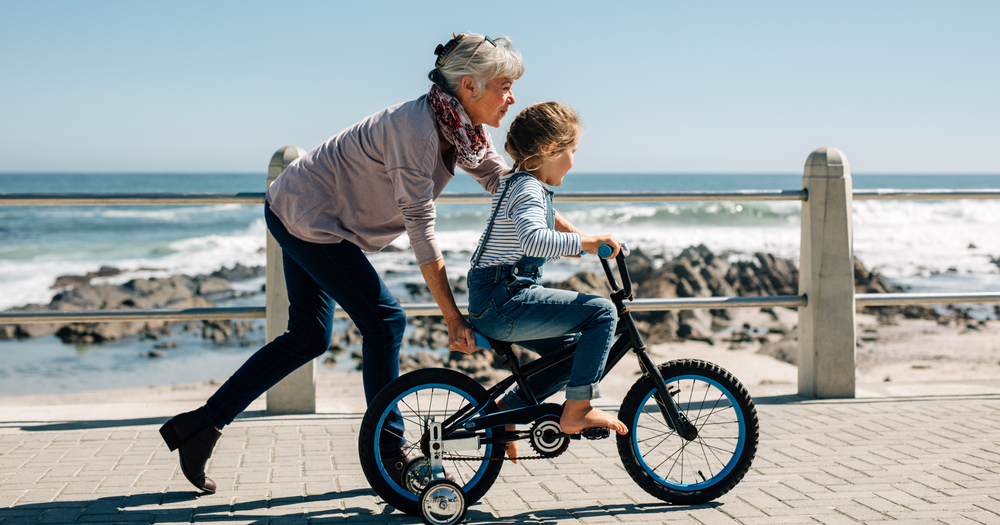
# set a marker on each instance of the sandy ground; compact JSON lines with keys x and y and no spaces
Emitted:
{"x":908,"y":352}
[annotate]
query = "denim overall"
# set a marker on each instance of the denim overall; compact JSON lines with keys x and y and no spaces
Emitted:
{"x":507,"y":303}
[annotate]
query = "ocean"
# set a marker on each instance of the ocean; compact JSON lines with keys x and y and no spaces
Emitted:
{"x":925,"y":246}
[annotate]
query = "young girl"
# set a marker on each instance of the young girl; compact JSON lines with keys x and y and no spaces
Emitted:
{"x":506,"y":301}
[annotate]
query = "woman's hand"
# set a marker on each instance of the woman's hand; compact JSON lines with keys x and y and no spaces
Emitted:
{"x":460,"y":336}
{"x":591,"y":244}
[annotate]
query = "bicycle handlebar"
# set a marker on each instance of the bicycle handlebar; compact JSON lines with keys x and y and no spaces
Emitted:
{"x":605,"y":251}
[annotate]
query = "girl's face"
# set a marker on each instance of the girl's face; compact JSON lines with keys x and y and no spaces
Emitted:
{"x":556,"y":166}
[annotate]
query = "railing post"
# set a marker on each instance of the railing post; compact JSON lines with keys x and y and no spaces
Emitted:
{"x":296,"y":393}
{"x":826,"y":278}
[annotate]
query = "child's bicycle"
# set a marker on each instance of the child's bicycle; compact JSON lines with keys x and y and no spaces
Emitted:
{"x":692,"y":426}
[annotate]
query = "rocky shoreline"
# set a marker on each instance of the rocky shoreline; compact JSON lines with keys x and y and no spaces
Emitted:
{"x":77,"y":292}
{"x":695,"y":272}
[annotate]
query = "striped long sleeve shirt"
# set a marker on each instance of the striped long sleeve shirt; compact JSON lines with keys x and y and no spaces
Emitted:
{"x":520,"y":227}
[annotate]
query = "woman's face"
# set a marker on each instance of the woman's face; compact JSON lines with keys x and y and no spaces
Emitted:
{"x":490,"y":108}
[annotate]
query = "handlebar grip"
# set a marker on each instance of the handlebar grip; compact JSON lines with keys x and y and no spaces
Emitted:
{"x":605,"y":251}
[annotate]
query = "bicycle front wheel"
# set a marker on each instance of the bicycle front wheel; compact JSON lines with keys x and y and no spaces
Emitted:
{"x":672,"y":468}
{"x":419,"y":396}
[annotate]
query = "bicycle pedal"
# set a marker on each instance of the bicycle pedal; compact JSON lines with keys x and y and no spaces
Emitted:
{"x":595,"y":433}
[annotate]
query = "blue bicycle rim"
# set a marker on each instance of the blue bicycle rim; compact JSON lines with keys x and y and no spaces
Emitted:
{"x":381,"y":468}
{"x":729,"y":465}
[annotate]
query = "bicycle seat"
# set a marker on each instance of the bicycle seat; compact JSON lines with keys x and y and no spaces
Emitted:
{"x":482,"y":341}
{"x":501,"y":348}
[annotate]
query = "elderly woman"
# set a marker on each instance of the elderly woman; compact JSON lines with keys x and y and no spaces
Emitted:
{"x":357,"y":192}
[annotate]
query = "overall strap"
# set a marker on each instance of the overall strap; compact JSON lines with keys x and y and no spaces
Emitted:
{"x":489,"y":228}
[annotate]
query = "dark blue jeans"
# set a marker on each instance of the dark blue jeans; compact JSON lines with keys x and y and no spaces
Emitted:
{"x":318,"y":277}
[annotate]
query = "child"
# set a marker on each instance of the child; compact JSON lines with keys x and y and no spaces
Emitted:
{"x":505,"y":300}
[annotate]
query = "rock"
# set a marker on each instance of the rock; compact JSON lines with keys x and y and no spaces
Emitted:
{"x":694,"y":329}
{"x":477,"y":365}
{"x":239,"y":273}
{"x":64,"y":281}
{"x":213,"y":285}
{"x":786,"y":349}
{"x":88,"y":297}
{"x":223,"y":330}
{"x":695,"y":272}
{"x":460,"y":285}
{"x":193,"y":301}
{"x":415,"y":361}
{"x":418,"y":291}
{"x":585,"y":282}
{"x":870,"y":281}
{"x":179,"y":291}
{"x":28,"y":330}
{"x":866,"y":281}
{"x":153,"y":354}
{"x":87,"y":333}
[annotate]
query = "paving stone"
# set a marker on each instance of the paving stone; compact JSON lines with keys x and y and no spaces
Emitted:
{"x":831,"y":462}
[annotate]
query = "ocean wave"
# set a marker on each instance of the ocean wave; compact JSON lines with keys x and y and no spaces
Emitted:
{"x":655,"y":215}
{"x":902,"y":239}
{"x":28,"y":280}
{"x":171,"y":214}
{"x":956,"y":213}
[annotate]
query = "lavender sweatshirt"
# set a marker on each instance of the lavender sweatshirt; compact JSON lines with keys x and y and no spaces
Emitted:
{"x":373,"y":181}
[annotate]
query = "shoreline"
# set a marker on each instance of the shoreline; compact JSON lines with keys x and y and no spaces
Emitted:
{"x":903,"y":358}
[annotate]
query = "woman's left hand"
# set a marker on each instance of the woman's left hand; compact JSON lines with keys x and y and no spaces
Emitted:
{"x":460,"y":336}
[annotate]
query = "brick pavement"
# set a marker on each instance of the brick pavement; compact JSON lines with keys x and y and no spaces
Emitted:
{"x":929,"y":459}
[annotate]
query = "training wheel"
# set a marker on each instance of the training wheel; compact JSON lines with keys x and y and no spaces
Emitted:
{"x":442,"y":503}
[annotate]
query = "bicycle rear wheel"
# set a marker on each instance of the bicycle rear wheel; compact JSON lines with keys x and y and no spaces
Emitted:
{"x":420,"y":395}
{"x":672,"y":468}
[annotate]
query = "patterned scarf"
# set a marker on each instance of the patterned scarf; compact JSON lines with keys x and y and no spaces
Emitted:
{"x":470,"y":142}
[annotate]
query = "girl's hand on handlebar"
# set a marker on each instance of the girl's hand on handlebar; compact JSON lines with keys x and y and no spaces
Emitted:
{"x":592,"y":244}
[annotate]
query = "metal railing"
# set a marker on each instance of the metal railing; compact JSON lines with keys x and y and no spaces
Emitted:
{"x":421,"y":309}
{"x":817,"y":179}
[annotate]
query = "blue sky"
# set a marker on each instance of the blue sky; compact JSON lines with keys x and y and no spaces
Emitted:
{"x":662,"y":87}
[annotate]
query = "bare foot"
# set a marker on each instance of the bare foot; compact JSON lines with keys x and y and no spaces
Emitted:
{"x":511,"y":445}
{"x":579,"y":415}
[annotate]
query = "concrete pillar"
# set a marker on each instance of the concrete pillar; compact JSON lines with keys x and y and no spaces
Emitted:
{"x":826,"y":278}
{"x":296,"y":393}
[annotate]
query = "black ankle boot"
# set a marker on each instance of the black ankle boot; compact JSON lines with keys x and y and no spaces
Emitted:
{"x":196,"y":438}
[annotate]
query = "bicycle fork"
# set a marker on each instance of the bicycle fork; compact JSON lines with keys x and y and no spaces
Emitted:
{"x":668,"y":407}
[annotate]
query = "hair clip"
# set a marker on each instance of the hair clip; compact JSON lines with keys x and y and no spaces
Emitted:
{"x":442,"y":50}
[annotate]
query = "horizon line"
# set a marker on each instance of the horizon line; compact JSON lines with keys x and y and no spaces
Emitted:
{"x":643,"y":173}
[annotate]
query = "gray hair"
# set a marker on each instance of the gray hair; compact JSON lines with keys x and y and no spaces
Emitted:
{"x":472,"y":55}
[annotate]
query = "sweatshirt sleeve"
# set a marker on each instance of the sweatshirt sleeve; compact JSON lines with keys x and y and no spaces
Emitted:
{"x":410,"y":163}
{"x":527,"y":211}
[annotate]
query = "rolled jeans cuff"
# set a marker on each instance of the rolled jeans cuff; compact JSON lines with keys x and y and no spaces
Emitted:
{"x":584,"y":392}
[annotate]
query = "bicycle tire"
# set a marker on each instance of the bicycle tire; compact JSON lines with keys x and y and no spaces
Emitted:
{"x":673,"y":469}
{"x":419,"y":394}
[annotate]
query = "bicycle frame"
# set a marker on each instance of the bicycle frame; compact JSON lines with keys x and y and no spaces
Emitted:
{"x":628,"y":339}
